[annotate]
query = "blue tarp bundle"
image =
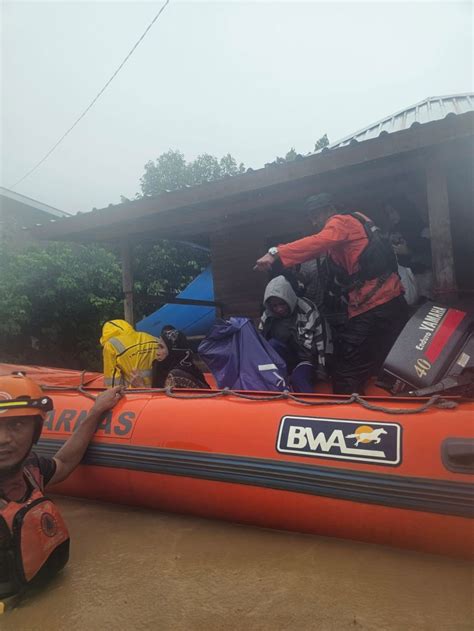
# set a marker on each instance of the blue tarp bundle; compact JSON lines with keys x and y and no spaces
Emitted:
{"x":241,"y":359}
{"x":191,"y":319}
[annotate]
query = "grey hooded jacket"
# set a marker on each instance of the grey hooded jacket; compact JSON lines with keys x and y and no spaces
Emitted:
{"x":303,"y":330}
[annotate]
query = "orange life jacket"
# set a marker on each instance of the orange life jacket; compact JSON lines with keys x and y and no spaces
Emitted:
{"x":34,"y":540}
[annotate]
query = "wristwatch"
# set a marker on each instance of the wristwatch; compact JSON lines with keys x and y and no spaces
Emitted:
{"x":274,"y":252}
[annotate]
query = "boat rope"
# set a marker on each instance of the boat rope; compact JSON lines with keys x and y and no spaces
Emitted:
{"x":434,"y":401}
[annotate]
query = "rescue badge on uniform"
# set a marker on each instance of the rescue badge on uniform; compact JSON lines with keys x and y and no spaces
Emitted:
{"x":341,"y":439}
{"x":49,"y":525}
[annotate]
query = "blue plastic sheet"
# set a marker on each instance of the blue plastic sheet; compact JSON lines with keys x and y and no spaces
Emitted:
{"x":190,"y":319}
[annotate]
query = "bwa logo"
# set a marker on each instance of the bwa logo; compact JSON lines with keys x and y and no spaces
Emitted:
{"x":340,"y":439}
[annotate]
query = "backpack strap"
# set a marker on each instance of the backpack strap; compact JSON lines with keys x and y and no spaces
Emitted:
{"x":367,"y":223}
{"x":344,"y":282}
{"x":370,"y":229}
{"x":32,"y":479}
{"x":33,"y":482}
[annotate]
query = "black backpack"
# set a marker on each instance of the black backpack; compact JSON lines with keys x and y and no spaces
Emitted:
{"x":378,"y":258}
{"x":377,"y":261}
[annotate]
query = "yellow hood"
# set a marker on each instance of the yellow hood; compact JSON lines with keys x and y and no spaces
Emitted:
{"x":114,"y":328}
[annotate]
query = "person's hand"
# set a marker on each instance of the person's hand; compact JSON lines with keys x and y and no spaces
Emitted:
{"x":264,"y":264}
{"x":107,"y":399}
{"x":136,"y":380}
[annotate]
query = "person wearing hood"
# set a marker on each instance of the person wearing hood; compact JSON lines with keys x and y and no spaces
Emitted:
{"x":174,"y":364}
{"x":128,"y":354}
{"x":296,"y":331}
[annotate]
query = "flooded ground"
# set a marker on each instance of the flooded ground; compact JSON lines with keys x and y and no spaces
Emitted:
{"x":133,"y":569}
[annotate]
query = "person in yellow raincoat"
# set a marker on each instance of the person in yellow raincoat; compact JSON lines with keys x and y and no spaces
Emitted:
{"x":128,"y":354}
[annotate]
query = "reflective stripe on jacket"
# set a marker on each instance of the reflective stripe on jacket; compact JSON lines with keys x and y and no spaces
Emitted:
{"x":125,"y":351}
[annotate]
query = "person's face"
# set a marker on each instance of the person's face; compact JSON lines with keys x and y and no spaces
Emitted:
{"x":162,"y":351}
{"x":279,"y":307}
{"x":16,"y":438}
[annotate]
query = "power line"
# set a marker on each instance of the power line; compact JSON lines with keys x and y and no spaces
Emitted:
{"x":96,"y":98}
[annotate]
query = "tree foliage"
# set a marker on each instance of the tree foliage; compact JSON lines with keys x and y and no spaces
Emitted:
{"x":170,"y":171}
{"x":293,"y":155}
{"x":55,"y":299}
{"x":290,"y":156}
{"x":164,"y":269}
{"x":321,"y":143}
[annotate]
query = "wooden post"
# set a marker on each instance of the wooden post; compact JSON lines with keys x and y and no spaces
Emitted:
{"x":444,"y":278}
{"x":127,"y":282}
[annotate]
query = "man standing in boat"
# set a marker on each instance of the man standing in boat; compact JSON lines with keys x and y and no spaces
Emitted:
{"x":363,"y":278}
{"x":34,"y":541}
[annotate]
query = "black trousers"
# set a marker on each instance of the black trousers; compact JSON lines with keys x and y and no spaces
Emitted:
{"x":363,"y":342}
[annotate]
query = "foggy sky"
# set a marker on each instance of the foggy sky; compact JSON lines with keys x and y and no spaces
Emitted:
{"x":252,"y":79}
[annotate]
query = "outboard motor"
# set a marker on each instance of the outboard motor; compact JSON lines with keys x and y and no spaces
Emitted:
{"x":434,"y":353}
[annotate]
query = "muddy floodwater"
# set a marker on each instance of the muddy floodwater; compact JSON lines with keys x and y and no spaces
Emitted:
{"x":134,"y":569}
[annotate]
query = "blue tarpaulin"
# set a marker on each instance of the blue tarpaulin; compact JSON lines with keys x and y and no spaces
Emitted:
{"x":192,"y":320}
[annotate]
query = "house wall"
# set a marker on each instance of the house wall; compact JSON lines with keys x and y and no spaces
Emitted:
{"x":238,"y":242}
{"x":236,"y":245}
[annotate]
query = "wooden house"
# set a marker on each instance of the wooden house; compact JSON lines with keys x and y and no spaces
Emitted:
{"x":424,"y":153}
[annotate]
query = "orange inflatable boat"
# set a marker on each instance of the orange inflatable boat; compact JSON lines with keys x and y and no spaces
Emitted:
{"x":381,"y":469}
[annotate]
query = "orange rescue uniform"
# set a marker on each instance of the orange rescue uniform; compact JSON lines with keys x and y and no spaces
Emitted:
{"x":343,"y":238}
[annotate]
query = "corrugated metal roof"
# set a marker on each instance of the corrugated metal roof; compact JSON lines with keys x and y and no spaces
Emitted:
{"x":431,"y":109}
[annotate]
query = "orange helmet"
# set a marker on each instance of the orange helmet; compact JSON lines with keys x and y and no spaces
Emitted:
{"x":21,"y":396}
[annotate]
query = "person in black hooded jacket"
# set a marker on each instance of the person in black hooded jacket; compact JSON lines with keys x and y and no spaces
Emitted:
{"x":174,"y":364}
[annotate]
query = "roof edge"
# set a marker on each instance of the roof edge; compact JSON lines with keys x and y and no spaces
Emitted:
{"x":429,"y":99}
{"x":33,"y":203}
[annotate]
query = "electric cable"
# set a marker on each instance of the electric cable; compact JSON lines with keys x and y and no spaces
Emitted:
{"x":96,"y":98}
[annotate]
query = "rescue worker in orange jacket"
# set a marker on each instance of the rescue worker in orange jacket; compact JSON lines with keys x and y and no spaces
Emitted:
{"x":34,"y":541}
{"x":128,"y":354}
{"x":376,"y":310}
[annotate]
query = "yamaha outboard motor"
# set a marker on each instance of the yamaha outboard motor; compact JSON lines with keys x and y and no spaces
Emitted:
{"x":434,"y":353}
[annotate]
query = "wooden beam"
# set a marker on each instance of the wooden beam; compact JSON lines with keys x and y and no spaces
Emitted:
{"x":127,"y":282}
{"x":444,"y":279}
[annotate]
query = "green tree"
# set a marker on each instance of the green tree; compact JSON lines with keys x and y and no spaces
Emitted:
{"x":170,"y":171}
{"x":53,"y":301}
{"x":165,"y":268}
{"x":229,"y":166}
{"x":290,"y":156}
{"x":321,"y":143}
{"x":293,"y":155}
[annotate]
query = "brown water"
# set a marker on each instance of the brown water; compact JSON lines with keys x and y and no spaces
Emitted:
{"x":133,"y":569}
